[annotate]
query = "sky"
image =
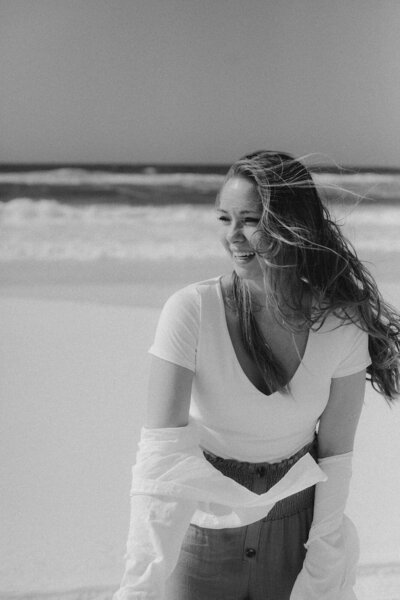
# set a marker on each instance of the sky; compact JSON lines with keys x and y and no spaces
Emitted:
{"x":199,"y":81}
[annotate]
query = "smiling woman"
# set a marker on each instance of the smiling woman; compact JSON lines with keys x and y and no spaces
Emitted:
{"x":256,"y":376}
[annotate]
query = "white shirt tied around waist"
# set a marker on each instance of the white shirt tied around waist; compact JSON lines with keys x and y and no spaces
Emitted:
{"x":174,"y":485}
{"x":169,"y":462}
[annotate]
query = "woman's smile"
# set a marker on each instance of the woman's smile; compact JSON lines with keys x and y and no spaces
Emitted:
{"x":242,"y":257}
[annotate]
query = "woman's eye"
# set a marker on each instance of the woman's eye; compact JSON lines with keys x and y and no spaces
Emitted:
{"x":245,"y":221}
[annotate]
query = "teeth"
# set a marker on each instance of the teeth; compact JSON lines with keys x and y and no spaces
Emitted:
{"x":243,"y":254}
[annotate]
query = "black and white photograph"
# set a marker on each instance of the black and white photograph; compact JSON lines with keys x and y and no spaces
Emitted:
{"x":200,"y":299}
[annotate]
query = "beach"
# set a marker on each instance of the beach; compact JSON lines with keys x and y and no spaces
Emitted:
{"x":74,"y":385}
{"x":82,"y":289}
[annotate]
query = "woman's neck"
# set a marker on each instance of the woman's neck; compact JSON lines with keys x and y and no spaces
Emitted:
{"x":258,"y":293}
{"x":261,"y":303}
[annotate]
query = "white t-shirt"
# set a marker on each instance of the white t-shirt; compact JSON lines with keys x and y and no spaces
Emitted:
{"x":234,"y":418}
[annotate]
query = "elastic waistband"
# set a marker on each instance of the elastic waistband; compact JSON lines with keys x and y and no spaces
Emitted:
{"x":260,"y":477}
{"x":256,"y":467}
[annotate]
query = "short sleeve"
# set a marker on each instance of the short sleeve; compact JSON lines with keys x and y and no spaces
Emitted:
{"x":354,"y":351}
{"x":176,"y":335}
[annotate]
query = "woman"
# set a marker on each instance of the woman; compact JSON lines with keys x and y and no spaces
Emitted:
{"x":253,"y":376}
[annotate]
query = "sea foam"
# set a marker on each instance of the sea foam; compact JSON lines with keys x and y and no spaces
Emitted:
{"x":48,"y":230}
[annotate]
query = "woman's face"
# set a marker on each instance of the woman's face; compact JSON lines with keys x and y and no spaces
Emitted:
{"x":239,"y":211}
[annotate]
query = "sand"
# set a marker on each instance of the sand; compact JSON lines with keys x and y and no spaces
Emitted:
{"x":73,"y":386}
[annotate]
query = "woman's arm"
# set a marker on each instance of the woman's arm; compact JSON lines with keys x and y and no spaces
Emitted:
{"x":158,"y":523}
{"x":329,"y":567}
{"x":338,"y":422}
{"x":168,"y":397}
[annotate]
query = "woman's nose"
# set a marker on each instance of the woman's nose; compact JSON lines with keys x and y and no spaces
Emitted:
{"x":234,"y":232}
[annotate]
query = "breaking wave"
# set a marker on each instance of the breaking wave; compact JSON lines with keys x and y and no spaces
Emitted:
{"x":48,"y":230}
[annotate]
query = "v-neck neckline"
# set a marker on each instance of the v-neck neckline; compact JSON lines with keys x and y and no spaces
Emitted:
{"x":235,"y":357}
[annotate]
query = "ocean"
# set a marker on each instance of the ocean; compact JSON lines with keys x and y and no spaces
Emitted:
{"x":156,"y":213}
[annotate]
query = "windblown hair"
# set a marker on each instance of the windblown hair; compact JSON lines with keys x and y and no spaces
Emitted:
{"x":306,"y":256}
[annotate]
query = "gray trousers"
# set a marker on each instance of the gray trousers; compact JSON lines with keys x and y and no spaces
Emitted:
{"x":258,"y":562}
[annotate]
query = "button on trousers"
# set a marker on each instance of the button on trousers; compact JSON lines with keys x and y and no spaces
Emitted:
{"x":257,"y":562}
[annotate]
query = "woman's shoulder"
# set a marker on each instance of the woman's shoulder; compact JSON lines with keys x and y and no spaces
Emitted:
{"x":344,"y":343}
{"x":344,"y":329}
{"x":184,"y":305}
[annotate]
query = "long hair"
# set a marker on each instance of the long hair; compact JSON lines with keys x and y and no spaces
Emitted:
{"x":305,"y":255}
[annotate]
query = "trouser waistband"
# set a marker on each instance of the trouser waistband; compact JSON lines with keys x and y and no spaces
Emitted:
{"x":260,"y":477}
